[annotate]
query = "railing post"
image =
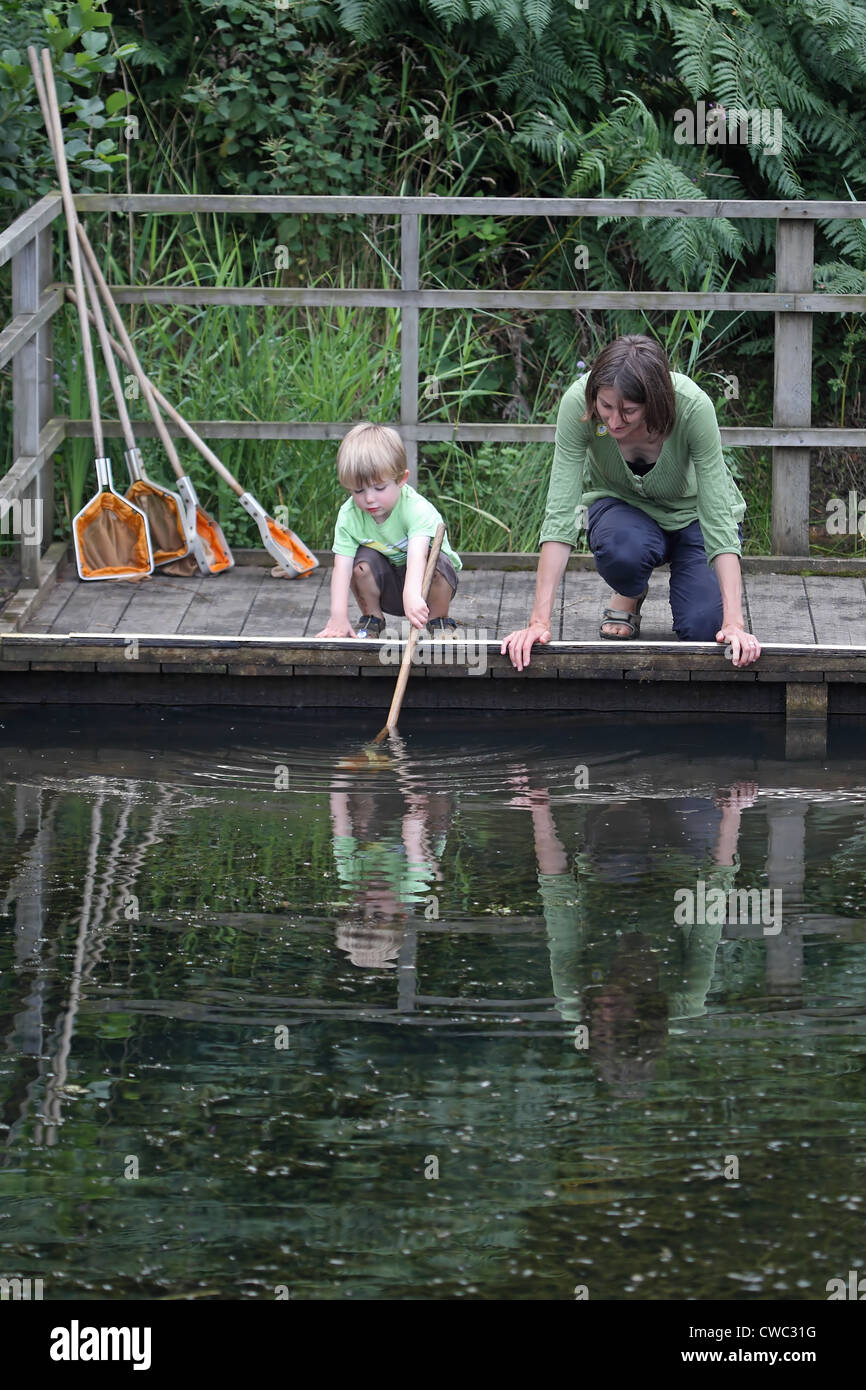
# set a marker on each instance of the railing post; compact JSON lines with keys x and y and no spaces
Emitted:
{"x":45,"y":367}
{"x":792,"y":388}
{"x":409,"y":280}
{"x":25,"y":400}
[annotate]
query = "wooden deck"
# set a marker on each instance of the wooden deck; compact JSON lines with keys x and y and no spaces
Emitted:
{"x":247,"y":638}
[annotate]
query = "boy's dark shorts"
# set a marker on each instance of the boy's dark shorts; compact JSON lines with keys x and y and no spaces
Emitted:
{"x":391,"y":578}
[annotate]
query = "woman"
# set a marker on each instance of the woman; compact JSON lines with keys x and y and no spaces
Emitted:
{"x":640,"y":445}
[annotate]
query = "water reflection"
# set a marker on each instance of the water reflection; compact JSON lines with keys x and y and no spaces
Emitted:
{"x":621,"y":989}
{"x":432,"y":927}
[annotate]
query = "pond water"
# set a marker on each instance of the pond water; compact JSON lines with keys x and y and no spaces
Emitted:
{"x":482,"y":1013}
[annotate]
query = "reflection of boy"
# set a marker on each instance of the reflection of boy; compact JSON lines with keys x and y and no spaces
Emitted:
{"x":385,"y":875}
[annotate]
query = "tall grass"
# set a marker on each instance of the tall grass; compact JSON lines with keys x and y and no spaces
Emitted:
{"x":343,"y":364}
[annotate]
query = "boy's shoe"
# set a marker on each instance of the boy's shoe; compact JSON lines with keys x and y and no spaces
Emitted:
{"x":441,"y":627}
{"x":368,"y":626}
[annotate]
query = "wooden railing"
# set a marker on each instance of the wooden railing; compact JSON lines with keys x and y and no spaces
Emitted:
{"x":27,"y":340}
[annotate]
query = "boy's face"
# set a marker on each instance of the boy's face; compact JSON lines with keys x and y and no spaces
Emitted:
{"x":380,"y":498}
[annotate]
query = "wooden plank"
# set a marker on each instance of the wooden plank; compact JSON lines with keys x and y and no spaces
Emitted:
{"x":26,"y":467}
{"x":797,"y":307}
{"x":656,"y":615}
{"x":477,"y":602}
{"x":221,"y":607}
{"x":350,"y":671}
{"x":163,"y":602}
{"x":779,"y":608}
{"x":518,"y":595}
{"x":283,"y":607}
{"x":193,"y":668}
{"x":94,"y":606}
{"x":584,"y":595}
{"x":838,"y":609}
{"x":25,"y":326}
{"x":478,"y":433}
{"x":51,"y":607}
{"x":62,"y":666}
{"x":800,"y":210}
{"x":805,"y":701}
{"x":130,"y":668}
{"x":28,"y":226}
{"x":320,"y":611}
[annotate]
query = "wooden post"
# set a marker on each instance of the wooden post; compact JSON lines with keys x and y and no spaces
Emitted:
{"x":409,"y":280}
{"x":25,"y":397}
{"x":45,"y":368}
{"x":792,"y":393}
{"x":407,"y":972}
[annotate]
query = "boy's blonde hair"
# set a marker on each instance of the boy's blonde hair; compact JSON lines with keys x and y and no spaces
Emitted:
{"x":370,"y":454}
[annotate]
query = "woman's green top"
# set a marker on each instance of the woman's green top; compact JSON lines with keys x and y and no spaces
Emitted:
{"x":689,"y":482}
{"x":686,"y":954}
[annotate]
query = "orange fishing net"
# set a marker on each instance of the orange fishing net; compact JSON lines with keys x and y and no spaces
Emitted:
{"x":218,"y":555}
{"x":166,"y":527}
{"x":297,"y":555}
{"x":111,"y":540}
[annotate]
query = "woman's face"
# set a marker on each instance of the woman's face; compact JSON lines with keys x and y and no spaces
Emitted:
{"x":624,"y":419}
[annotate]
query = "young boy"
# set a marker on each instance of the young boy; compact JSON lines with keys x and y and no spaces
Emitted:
{"x":382,"y":539}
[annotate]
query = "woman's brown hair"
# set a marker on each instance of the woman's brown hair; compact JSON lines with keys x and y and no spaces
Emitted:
{"x":637,"y":369}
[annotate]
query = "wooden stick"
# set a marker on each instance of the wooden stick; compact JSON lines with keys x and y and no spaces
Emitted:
{"x":173,"y":414}
{"x":59,"y":151}
{"x":406,"y":664}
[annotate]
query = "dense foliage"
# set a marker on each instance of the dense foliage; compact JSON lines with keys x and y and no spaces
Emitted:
{"x":518,"y":97}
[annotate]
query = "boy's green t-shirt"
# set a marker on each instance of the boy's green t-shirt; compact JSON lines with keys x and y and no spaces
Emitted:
{"x":690,"y":481}
{"x":412,"y":516}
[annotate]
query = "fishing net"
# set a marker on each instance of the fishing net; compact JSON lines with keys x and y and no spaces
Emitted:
{"x":217,"y":552}
{"x":163,"y":517}
{"x":298,"y":558}
{"x":111,"y":540}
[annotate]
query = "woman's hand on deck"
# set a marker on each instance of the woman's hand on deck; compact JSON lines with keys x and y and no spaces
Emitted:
{"x":745,"y":648}
{"x":519,"y":644}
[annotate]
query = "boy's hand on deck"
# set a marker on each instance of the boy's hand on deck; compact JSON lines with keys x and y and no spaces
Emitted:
{"x":337,"y":628}
{"x":415,"y":608}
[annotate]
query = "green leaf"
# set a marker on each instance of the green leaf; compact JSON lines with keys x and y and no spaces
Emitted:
{"x":95,"y":42}
{"x":115,"y":101}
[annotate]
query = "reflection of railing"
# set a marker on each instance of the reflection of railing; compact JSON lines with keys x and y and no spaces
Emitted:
{"x":27,"y":340}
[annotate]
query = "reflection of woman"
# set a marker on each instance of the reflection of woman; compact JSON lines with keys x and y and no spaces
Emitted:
{"x":640,"y":446}
{"x":625,"y":988}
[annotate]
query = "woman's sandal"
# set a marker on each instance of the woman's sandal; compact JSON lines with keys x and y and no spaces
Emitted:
{"x":619,"y":615}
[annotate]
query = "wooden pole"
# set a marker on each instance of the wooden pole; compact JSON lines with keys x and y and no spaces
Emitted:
{"x":406,"y":664}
